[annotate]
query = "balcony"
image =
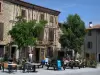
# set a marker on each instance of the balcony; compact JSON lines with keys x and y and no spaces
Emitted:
{"x":41,"y":43}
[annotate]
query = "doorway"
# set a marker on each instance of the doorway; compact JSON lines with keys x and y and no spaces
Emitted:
{"x":1,"y":50}
{"x":13,"y":52}
{"x":87,"y":56}
{"x":60,"y":55}
{"x":37,"y":50}
{"x":99,"y":57}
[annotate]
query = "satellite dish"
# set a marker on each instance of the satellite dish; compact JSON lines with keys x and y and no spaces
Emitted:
{"x":90,"y":24}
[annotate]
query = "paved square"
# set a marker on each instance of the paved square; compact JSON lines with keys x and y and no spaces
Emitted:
{"x":82,"y":71}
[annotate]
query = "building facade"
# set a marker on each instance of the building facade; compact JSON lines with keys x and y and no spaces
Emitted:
{"x":49,"y":40}
{"x":92,"y":43}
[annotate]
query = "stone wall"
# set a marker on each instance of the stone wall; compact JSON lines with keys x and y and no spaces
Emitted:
{"x":10,"y":11}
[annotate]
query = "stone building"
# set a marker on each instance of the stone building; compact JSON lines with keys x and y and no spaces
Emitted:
{"x":49,"y":41}
{"x":92,"y":43}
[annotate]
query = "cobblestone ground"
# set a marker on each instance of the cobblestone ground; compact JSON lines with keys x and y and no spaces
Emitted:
{"x":75,"y":71}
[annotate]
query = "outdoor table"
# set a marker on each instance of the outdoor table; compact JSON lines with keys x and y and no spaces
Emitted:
{"x":12,"y":64}
{"x":10,"y":67}
{"x":34,"y":66}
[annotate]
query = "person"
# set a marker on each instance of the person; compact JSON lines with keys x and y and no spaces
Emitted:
{"x":46,"y":60}
{"x":30,"y":57}
{"x":64,"y":60}
{"x":10,"y":61}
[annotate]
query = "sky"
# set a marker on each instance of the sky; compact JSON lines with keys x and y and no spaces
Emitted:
{"x":89,"y":10}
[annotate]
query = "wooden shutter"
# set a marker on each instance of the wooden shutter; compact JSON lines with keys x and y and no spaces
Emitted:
{"x":41,"y":36}
{"x":0,"y":6}
{"x":51,"y":19}
{"x":23,"y":13}
{"x":41,"y":16}
{"x":1,"y":31}
{"x":51,"y":34}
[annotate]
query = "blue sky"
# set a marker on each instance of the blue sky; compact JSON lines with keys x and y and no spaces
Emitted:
{"x":89,"y":10}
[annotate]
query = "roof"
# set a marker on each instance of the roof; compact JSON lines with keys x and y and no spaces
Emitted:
{"x":94,"y":27}
{"x":35,"y":7}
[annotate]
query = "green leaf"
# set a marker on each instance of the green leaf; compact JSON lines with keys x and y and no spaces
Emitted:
{"x":73,"y":33}
{"x":25,"y":33}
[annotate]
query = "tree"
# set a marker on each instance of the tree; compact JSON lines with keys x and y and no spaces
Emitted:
{"x":73,"y":33}
{"x":25,"y":33}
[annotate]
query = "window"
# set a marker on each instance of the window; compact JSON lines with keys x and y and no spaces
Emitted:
{"x":41,"y":16}
{"x":56,"y":21}
{"x":51,"y":19}
{"x":1,"y":31}
{"x":89,"y":33}
{"x":41,"y":36}
{"x":50,"y":52}
{"x":23,"y":13}
{"x":0,"y":6}
{"x":90,"y":45}
{"x":51,"y":34}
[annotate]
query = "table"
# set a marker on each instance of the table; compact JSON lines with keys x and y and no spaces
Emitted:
{"x":10,"y":67}
{"x":34,"y":66}
{"x":12,"y":64}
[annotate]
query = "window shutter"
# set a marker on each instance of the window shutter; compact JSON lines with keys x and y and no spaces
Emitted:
{"x":23,"y":14}
{"x":1,"y":31}
{"x":0,"y":6}
{"x":51,"y":19}
{"x":41,"y":16}
{"x":51,"y":34}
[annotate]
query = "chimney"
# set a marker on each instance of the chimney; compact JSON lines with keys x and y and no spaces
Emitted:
{"x":90,"y":25}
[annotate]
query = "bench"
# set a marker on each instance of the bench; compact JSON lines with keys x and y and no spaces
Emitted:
{"x":54,"y":65}
{"x":30,"y":67}
{"x":51,"y":65}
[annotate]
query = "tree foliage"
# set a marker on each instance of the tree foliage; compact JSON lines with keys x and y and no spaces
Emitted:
{"x":73,"y":33}
{"x":25,"y":33}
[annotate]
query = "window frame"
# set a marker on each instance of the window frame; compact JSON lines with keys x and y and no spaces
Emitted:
{"x":51,"y":19}
{"x":42,"y":17}
{"x":56,"y":20}
{"x":90,"y":45}
{"x":2,"y":32}
{"x":89,"y":33}
{"x":23,"y":13}
{"x":51,"y":34}
{"x":0,"y":6}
